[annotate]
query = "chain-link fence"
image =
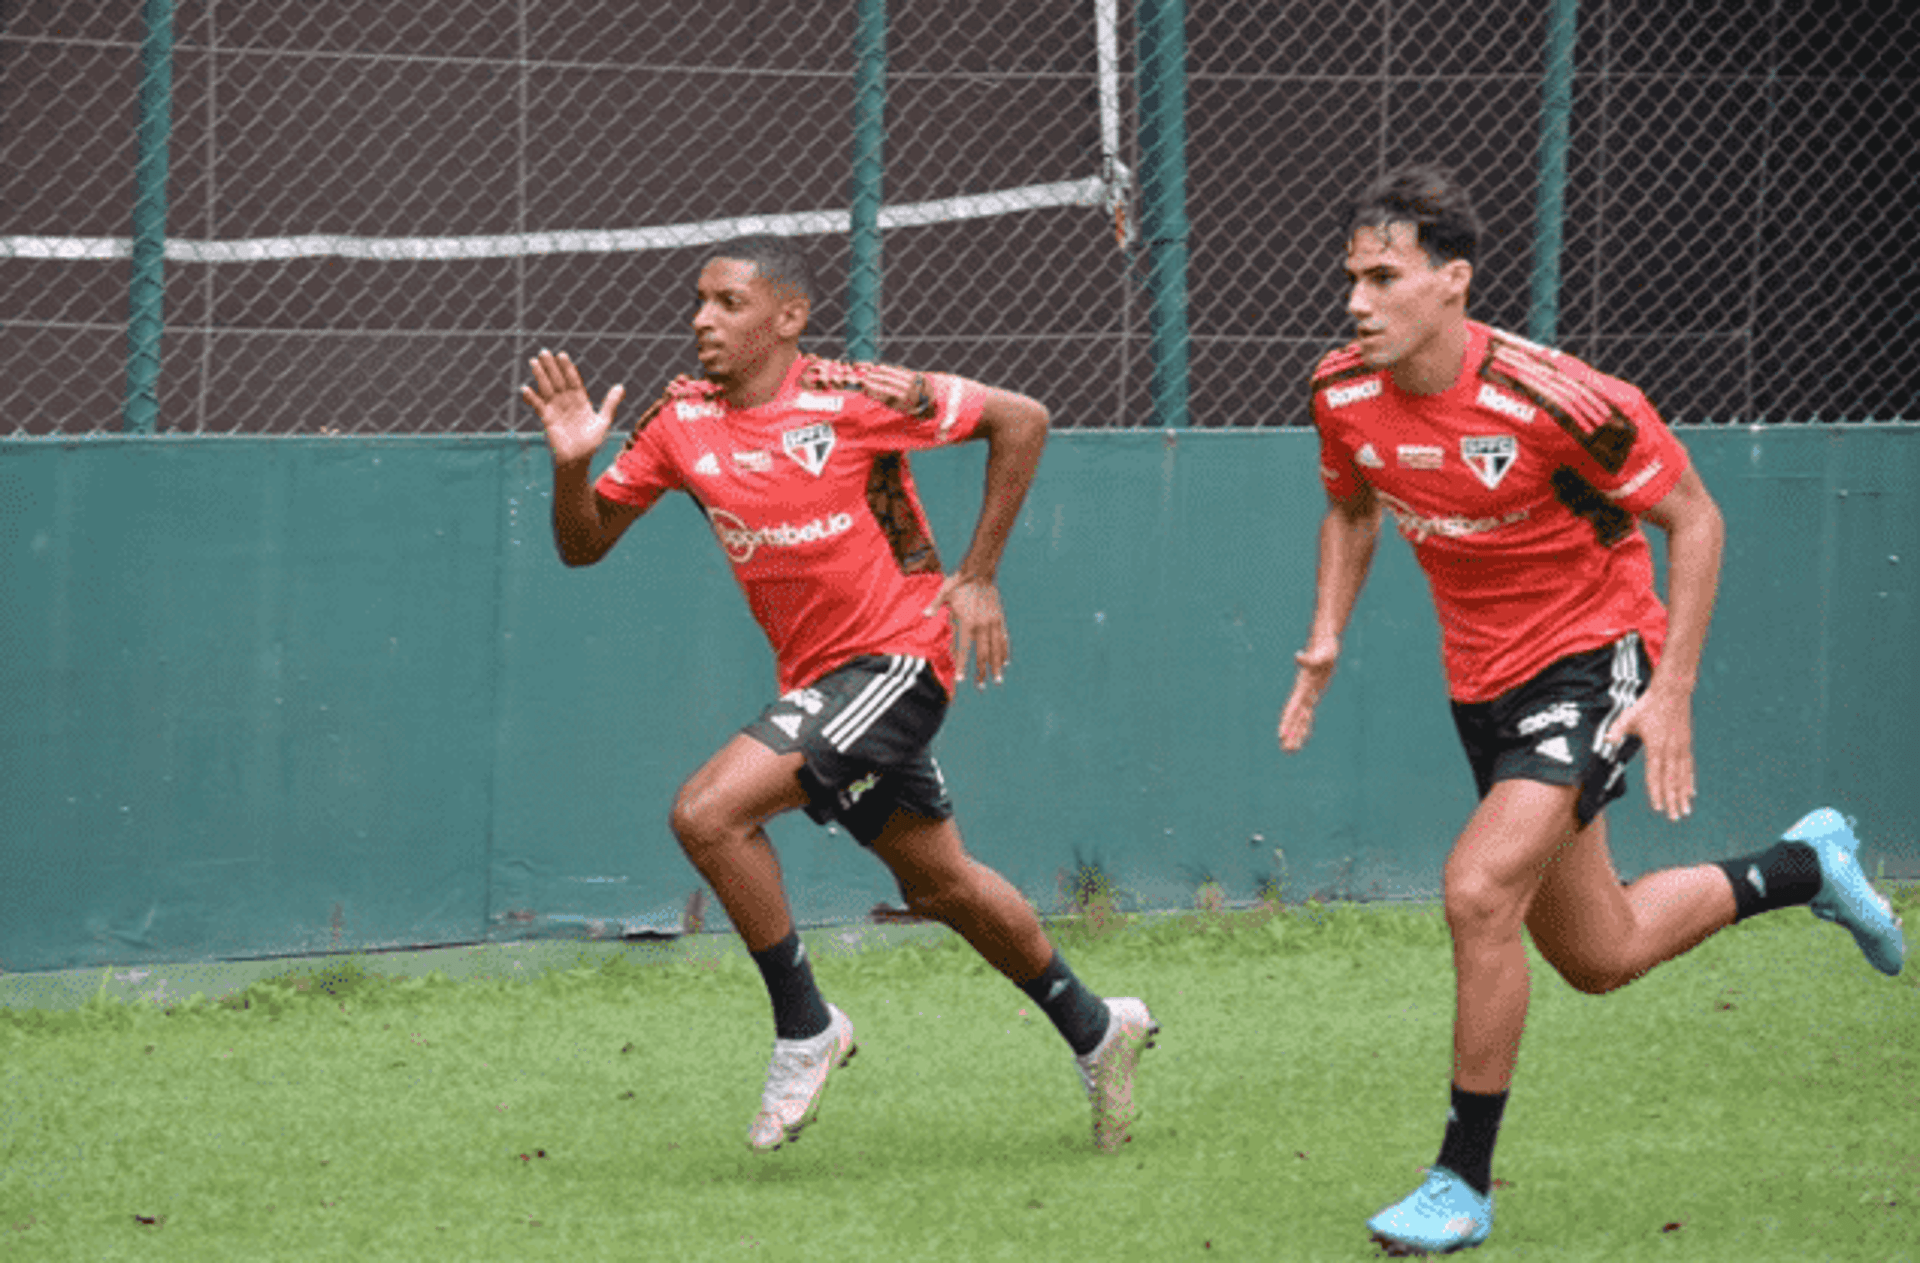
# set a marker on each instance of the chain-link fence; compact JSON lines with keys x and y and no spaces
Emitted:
{"x":356,"y":217}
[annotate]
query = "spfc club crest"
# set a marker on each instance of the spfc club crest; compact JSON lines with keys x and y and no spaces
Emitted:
{"x":1490,"y":457}
{"x":810,"y":445}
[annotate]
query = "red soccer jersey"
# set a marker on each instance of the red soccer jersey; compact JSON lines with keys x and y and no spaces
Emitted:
{"x":811,"y":496}
{"x":1518,"y":488}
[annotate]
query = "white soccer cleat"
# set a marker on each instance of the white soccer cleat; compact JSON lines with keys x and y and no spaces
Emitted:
{"x":797,"y":1079}
{"x":1107,"y":1071}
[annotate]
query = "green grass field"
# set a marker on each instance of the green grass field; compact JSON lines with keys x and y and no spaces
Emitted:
{"x":1759,"y":1099}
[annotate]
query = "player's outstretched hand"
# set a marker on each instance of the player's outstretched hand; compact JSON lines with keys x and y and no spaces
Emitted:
{"x":575,"y":428}
{"x":1315,"y":666}
{"x":1664,"y":723}
{"x":979,"y":627}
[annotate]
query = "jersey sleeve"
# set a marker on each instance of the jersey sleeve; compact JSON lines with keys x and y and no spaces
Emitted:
{"x":644,"y":470}
{"x":1339,"y":474}
{"x":1653,"y":463}
{"x":958,"y":403}
{"x":1617,"y":441}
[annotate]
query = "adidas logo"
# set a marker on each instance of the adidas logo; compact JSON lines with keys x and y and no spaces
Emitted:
{"x":789,"y":724}
{"x":1755,"y":880}
{"x":707,"y":465}
{"x":1556,"y":749}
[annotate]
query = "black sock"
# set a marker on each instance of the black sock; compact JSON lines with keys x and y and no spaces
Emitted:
{"x":1785,"y":875}
{"x":1473,"y":1124}
{"x":1080,"y":1015}
{"x":799,"y":1010}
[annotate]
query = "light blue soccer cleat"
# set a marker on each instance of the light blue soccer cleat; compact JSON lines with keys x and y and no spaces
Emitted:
{"x":1442,"y":1215}
{"x":1846,"y":897}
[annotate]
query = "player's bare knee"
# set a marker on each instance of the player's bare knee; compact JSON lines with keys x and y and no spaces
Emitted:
{"x":1590,"y":972}
{"x":943,"y":893}
{"x":1601,"y":983}
{"x":1479,"y":907}
{"x":1594,"y":979}
{"x":924,"y":902}
{"x":935,"y":897}
{"x":699,"y":829}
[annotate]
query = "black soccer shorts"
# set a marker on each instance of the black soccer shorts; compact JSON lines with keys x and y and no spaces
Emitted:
{"x":1553,"y":728}
{"x":864,"y":729}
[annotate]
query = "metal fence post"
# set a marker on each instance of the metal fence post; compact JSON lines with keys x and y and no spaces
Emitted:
{"x":1163,"y":189}
{"x":1556,"y":112}
{"x":869,"y":166}
{"x":146,"y":290}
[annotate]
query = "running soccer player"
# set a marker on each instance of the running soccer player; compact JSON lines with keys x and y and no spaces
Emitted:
{"x":1519,"y":476}
{"x":800,"y":466}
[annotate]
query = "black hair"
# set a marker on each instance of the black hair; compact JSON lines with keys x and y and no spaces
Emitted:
{"x":777,"y":260}
{"x":1429,"y":198}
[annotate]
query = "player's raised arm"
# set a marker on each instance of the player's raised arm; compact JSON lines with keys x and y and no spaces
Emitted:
{"x":585,"y":524}
{"x":1015,"y":428}
{"x":1348,"y":535}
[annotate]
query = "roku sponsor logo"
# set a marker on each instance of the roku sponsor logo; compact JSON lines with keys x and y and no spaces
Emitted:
{"x":1505,"y":405}
{"x":1341,"y":396}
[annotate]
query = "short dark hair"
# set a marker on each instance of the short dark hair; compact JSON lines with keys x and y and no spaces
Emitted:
{"x":777,"y":260}
{"x":1429,"y":198}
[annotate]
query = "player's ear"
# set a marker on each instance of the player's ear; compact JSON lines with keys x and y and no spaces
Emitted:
{"x":1458,"y":274}
{"x":792,"y":320}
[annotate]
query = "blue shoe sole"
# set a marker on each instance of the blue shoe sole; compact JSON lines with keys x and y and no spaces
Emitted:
{"x":1392,"y":1249}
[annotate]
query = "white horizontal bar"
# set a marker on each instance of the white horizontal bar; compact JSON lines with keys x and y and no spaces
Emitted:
{"x":1088,"y":192}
